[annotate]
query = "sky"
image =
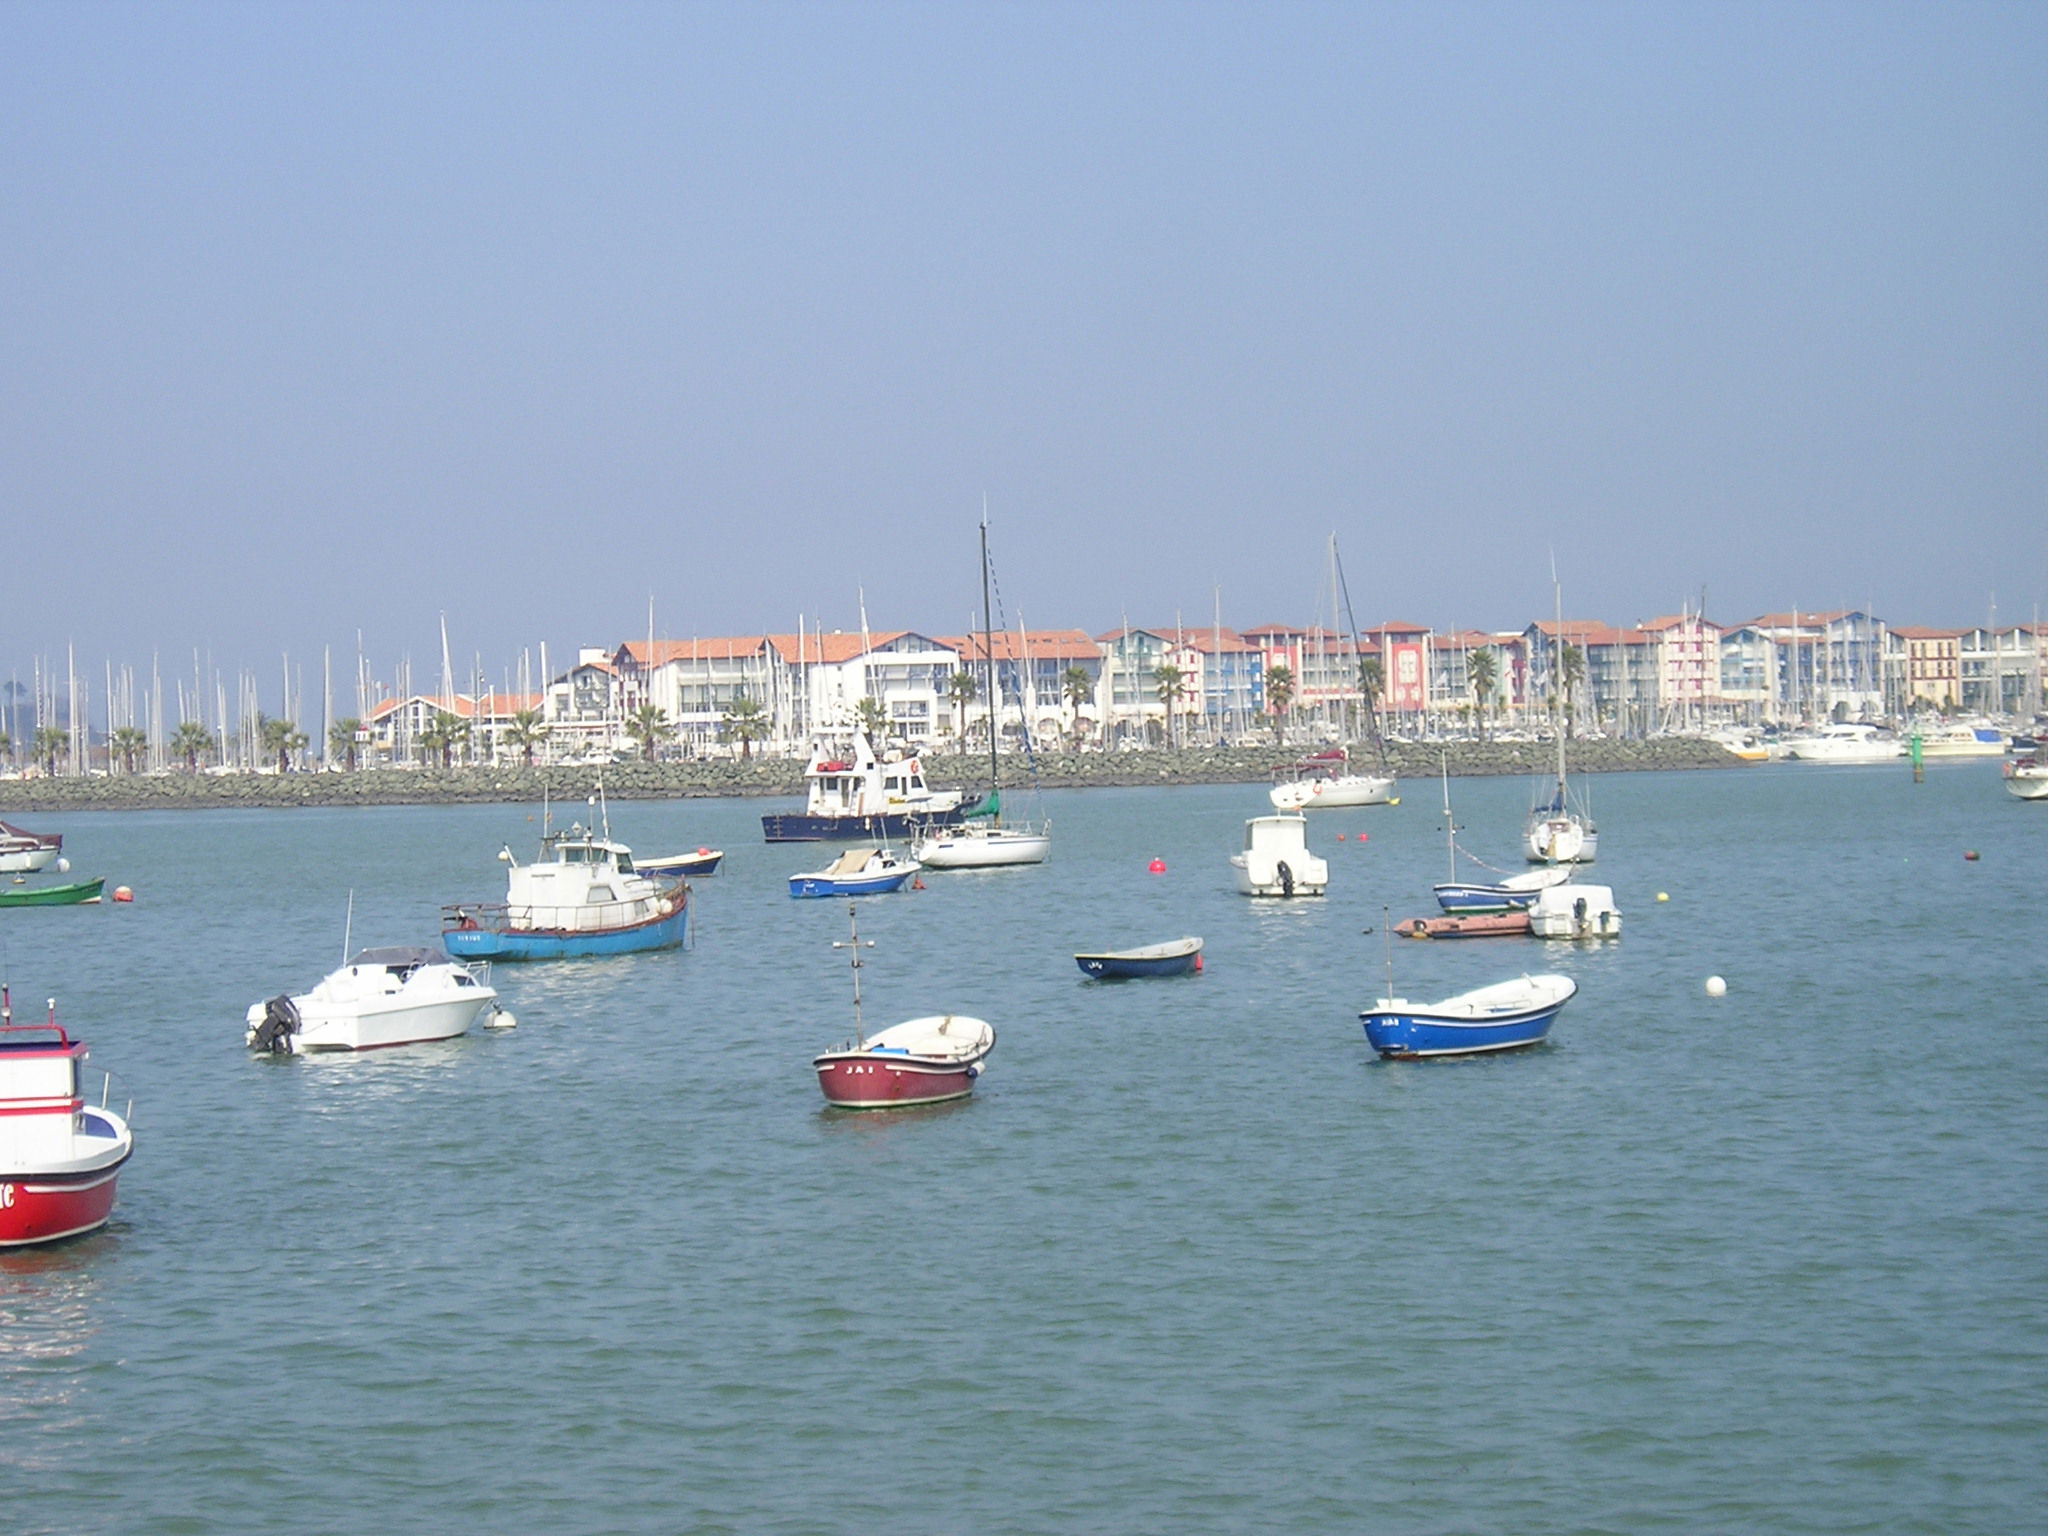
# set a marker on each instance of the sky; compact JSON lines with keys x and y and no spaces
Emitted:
{"x":557,"y":323}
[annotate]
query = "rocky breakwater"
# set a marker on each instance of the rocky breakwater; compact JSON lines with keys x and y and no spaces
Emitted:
{"x":702,"y":777}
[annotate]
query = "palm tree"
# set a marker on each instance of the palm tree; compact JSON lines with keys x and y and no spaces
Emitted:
{"x":745,"y":722}
{"x":341,"y":741}
{"x":191,"y":741}
{"x":50,"y":740}
{"x":872,"y":718}
{"x":1571,"y":667}
{"x":648,"y":724}
{"x":1173,"y":687}
{"x":1372,"y":683}
{"x":527,"y":731}
{"x":962,"y":689}
{"x":1483,"y":668}
{"x":1279,"y":683}
{"x":1078,"y":688}
{"x":443,"y":734}
{"x":6,"y":747}
{"x":128,"y":743}
{"x":282,"y":738}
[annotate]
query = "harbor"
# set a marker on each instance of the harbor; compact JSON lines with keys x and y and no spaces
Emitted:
{"x":1202,"y":1297}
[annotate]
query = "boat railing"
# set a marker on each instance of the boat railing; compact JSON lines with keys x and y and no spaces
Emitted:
{"x":108,"y":1083}
{"x":474,"y":914}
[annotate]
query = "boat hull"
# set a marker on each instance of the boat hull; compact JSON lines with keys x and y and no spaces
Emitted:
{"x":998,"y":849}
{"x":845,"y":885}
{"x":1561,"y":840}
{"x":79,"y":894}
{"x":507,"y":943}
{"x":1465,"y":900}
{"x":26,"y":861}
{"x":1467,"y":925}
{"x":372,"y":1030}
{"x":705,"y":862}
{"x":2026,"y":781}
{"x":1500,"y":1018}
{"x":877,"y":1080}
{"x":47,"y":1207}
{"x":1182,"y":958}
{"x":1333,"y":794}
{"x":885,"y":826}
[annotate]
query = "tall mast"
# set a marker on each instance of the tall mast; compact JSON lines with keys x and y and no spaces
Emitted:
{"x":988,"y":654}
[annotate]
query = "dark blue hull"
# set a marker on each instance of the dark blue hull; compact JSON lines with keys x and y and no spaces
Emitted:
{"x":889,"y":826}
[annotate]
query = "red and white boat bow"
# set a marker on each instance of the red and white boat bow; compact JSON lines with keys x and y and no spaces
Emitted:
{"x":59,"y":1156}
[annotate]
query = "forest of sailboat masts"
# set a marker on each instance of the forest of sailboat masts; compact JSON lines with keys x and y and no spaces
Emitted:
{"x":1066,"y":689}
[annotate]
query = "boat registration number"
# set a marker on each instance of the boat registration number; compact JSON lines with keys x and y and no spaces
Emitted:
{"x":6,"y":1196}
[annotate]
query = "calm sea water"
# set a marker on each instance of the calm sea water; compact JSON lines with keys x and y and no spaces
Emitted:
{"x":1190,"y":1261}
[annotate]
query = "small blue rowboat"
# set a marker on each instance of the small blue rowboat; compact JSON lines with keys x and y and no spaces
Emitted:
{"x":1501,"y":1017}
{"x":703,"y":862}
{"x":1179,"y":957}
{"x":857,"y":872}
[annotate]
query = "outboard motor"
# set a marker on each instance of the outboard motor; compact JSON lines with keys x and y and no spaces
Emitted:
{"x":1286,"y":878}
{"x":280,"y":1023}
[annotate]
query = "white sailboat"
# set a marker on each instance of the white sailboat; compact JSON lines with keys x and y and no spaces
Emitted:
{"x":981,"y":839}
{"x":1560,"y":829}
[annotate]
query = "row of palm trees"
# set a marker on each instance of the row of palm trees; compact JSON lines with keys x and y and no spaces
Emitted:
{"x":746,"y":722}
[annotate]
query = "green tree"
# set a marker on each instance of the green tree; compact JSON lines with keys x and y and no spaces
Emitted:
{"x":1372,"y":685}
{"x":1279,"y":684}
{"x":745,"y":722}
{"x":527,"y":731}
{"x":873,"y":720}
{"x":50,"y":741}
{"x":442,"y":736}
{"x":1572,"y":672}
{"x":1078,"y":688}
{"x":192,"y":741}
{"x":1483,"y":667}
{"x":648,"y":725}
{"x":280,"y":738}
{"x":341,"y":741}
{"x":962,"y":689}
{"x":1172,"y":685}
{"x":128,"y":743}
{"x":6,"y":747}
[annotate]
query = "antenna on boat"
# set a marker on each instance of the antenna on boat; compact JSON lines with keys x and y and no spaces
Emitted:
{"x":860,"y":1038}
{"x":348,"y":924}
{"x":1387,"y":933}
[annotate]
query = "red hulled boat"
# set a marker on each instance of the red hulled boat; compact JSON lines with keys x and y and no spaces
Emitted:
{"x":920,"y":1061}
{"x":59,"y":1156}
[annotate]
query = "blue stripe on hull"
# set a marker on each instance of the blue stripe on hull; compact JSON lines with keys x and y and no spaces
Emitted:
{"x":799,"y":886}
{"x":511,"y":944}
{"x":800,"y":827}
{"x":1107,"y":968}
{"x":1481,"y":899}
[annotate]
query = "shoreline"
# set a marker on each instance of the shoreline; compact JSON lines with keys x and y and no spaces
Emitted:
{"x":763,"y":777}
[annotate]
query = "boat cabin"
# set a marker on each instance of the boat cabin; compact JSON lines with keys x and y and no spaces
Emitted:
{"x":40,"y":1104}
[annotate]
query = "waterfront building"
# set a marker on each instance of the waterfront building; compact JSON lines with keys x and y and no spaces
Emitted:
{"x":1686,"y":666}
{"x":1031,"y":675}
{"x":1929,"y":662}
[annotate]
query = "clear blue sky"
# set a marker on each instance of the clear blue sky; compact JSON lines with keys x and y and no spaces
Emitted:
{"x":321,"y":318}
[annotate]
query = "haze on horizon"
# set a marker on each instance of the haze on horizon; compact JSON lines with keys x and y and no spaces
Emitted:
{"x":330,"y":319}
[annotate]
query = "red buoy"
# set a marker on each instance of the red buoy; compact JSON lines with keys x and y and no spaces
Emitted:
{"x":122,"y":893}
{"x":1156,"y":867}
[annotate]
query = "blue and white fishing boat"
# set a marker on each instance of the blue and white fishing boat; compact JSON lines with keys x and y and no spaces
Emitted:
{"x":582,"y":896}
{"x":1501,"y":1017}
{"x":853,"y":793}
{"x":1176,"y":957}
{"x":857,"y":872}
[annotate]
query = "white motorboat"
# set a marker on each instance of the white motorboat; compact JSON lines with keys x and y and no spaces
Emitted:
{"x":1845,"y":743}
{"x":1276,"y":860}
{"x":1573,"y":911}
{"x":26,"y":852}
{"x":853,"y":794}
{"x":394,"y":996}
{"x":1962,"y":741}
{"x":2026,"y":778}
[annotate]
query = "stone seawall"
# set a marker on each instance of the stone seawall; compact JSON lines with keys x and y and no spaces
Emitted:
{"x":784,"y":776}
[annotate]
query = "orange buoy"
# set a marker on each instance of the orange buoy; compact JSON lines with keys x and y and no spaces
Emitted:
{"x":1970,"y":854}
{"x":1340,"y":837}
{"x":1198,"y":960}
{"x":122,"y":893}
{"x":1156,"y":867}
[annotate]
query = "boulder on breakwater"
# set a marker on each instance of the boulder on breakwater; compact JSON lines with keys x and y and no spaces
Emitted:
{"x":696,"y":778}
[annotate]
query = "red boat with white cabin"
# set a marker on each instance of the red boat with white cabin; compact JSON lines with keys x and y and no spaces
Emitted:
{"x":60,"y":1156}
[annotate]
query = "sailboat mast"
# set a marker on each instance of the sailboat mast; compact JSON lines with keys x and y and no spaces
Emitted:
{"x":988,"y":654}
